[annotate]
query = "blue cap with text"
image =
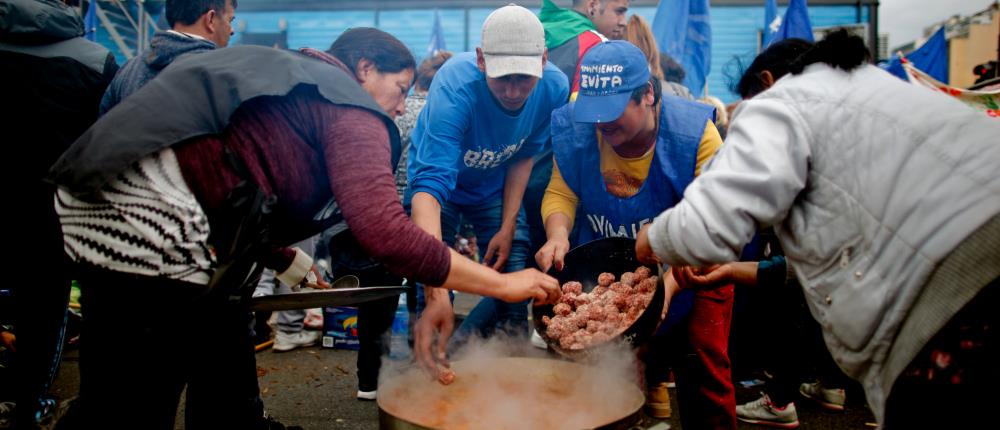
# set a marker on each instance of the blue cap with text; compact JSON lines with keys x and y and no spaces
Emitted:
{"x":609,"y":72}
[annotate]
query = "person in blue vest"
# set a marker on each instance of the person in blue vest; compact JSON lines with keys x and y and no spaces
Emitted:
{"x":487,"y":115}
{"x":623,"y":153}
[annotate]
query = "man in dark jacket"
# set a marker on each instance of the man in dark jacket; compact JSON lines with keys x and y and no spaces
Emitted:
{"x":196,"y":26}
{"x":53,"y":81}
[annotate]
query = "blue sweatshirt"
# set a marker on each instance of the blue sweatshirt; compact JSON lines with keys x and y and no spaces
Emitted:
{"x":464,"y":141}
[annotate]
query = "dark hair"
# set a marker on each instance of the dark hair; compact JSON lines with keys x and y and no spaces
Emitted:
{"x":186,"y":12}
{"x":672,"y":70}
{"x":776,"y":59}
{"x":639,"y":93}
{"x":386,"y":52}
{"x":838,"y":49}
{"x":428,"y":67}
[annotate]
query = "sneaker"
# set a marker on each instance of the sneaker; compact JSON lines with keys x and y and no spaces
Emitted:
{"x":537,"y":341}
{"x":658,"y":401}
{"x":367,"y":395}
{"x":763,"y":412}
{"x":284,"y":341}
{"x":830,"y":398}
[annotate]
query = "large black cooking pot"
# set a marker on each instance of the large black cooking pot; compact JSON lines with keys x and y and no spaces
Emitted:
{"x":584,"y":263}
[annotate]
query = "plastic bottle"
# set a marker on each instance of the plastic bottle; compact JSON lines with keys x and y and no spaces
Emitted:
{"x":399,"y":349}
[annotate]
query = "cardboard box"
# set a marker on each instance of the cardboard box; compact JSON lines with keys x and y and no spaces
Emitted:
{"x":340,"y":328}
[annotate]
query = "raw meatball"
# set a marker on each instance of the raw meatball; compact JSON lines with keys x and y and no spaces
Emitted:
{"x":638,"y":301}
{"x":562,"y":309}
{"x":596,"y":312}
{"x":647,"y":285}
{"x":620,"y":301}
{"x":605,"y":279}
{"x":578,"y":320}
{"x":641,"y":273}
{"x":446,"y":377}
{"x":628,"y":278}
{"x":584,"y":311}
{"x":601,"y":337}
{"x":594,"y":326}
{"x":619,"y":288}
{"x":582,"y":339}
{"x":569,"y":299}
{"x":610,"y":328}
{"x":558,"y":328}
{"x":572,"y":287}
{"x":599,"y":292}
{"x":567,"y":340}
{"x":609,"y":310}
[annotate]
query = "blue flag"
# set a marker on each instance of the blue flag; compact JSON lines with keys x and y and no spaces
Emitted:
{"x":795,"y":23}
{"x":931,"y":58}
{"x":772,"y":22}
{"x":683,"y":30}
{"x":437,"y":37}
{"x":90,"y":22}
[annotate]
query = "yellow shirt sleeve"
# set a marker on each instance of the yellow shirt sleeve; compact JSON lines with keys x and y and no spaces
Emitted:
{"x":559,"y":197}
{"x":711,"y":141}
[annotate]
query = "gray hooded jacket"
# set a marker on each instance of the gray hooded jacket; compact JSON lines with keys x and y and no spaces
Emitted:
{"x":165,"y":47}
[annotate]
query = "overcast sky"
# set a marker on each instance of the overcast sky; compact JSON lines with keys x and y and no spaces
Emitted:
{"x":904,"y":20}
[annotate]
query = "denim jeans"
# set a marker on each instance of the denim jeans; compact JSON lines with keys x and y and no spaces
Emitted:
{"x":489,"y":314}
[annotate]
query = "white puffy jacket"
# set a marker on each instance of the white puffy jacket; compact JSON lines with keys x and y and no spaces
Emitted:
{"x":869,"y":182}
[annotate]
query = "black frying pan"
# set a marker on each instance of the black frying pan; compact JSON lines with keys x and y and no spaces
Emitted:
{"x":583,"y":264}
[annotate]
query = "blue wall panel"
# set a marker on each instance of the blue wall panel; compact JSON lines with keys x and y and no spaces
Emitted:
{"x":734,"y":31}
{"x":306,"y":29}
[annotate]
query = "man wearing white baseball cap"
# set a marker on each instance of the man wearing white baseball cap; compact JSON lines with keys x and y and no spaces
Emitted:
{"x":487,"y":114}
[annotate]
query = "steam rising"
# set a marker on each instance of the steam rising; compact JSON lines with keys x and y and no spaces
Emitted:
{"x":504,"y":383}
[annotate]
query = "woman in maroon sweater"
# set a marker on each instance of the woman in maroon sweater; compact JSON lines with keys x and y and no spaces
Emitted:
{"x":144,"y":285}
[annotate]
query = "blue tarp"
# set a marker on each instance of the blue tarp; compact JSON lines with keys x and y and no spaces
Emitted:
{"x":796,"y":23}
{"x":772,"y":22}
{"x":437,"y":37}
{"x":684,"y":31}
{"x":931,"y":58}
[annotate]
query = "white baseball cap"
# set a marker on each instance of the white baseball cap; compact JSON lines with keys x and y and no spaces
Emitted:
{"x":513,"y":42}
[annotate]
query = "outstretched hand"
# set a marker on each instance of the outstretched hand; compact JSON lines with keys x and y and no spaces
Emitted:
{"x":498,"y":250}
{"x":643,"y":250}
{"x":708,"y":277}
{"x":552,"y":254}
{"x":432,"y":331}
{"x":529,"y":284}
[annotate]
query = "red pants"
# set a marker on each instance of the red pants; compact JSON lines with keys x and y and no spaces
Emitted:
{"x":698,"y":350}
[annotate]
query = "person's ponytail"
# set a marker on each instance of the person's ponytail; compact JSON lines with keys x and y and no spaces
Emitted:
{"x":838,"y":49}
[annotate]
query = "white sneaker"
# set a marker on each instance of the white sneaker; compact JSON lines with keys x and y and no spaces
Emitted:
{"x":537,"y":341}
{"x":367,"y":395}
{"x":830,"y":398}
{"x":763,"y":412}
{"x":284,"y":341}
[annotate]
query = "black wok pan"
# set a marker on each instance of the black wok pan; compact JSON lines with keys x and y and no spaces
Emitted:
{"x":583,"y":264}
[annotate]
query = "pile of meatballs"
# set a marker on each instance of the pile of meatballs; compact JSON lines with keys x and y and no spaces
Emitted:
{"x":582,"y":320}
